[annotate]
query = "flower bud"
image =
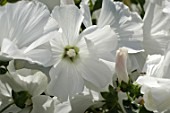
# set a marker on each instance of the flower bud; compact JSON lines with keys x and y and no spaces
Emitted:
{"x":121,"y":66}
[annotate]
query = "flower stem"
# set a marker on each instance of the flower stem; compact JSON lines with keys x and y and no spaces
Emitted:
{"x":6,"y":107}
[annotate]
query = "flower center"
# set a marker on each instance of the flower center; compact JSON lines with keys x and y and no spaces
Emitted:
{"x":71,"y":53}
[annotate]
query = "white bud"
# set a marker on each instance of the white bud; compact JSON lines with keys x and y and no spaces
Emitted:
{"x":121,"y":66}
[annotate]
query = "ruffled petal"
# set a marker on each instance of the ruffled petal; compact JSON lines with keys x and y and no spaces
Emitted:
{"x":128,"y":25}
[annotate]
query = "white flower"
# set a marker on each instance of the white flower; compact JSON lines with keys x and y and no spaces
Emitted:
{"x":34,"y":83}
{"x":23,"y":30}
{"x":156,"y":93}
{"x":76,"y":57}
{"x":155,"y":84}
{"x":121,"y":65}
{"x":127,"y":25}
{"x":156,"y":26}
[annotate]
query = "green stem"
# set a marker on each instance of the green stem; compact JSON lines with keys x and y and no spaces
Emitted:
{"x":6,"y":107}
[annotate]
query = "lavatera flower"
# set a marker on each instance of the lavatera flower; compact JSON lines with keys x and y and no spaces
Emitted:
{"x":76,"y":58}
{"x":155,"y":84}
{"x":25,"y":90}
{"x":22,"y":32}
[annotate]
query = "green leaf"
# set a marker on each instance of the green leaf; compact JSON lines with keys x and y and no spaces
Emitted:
{"x":20,"y":98}
{"x":3,"y":2}
{"x":124,"y":86}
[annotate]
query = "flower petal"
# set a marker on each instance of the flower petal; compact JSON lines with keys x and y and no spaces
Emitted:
{"x":35,"y":84}
{"x":84,"y":7}
{"x":23,"y":22}
{"x":69,"y":19}
{"x":105,"y":39}
{"x":95,"y":71}
{"x":66,"y":81}
{"x":128,"y":25}
{"x":156,"y":27}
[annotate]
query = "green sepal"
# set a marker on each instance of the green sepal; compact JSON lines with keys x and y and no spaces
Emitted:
{"x":3,"y":70}
{"x":20,"y":98}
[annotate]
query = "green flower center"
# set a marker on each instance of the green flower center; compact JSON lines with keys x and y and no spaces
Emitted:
{"x":71,"y":53}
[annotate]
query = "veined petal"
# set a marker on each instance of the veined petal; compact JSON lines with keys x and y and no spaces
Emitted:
{"x":23,"y":22}
{"x":66,"y":80}
{"x":84,"y":7}
{"x":126,"y":24}
{"x":105,"y":39}
{"x":95,"y":71}
{"x":156,"y":26}
{"x":69,"y":18}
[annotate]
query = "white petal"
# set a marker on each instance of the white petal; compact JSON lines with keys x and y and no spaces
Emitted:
{"x":84,"y":7}
{"x":51,"y":3}
{"x":57,"y":47}
{"x":153,"y":89}
{"x":95,"y":71}
{"x":105,"y":42}
{"x":35,"y":84}
{"x":128,"y":25}
{"x":156,"y":27}
{"x":24,"y":22}
{"x":66,"y":2}
{"x":63,"y":107}
{"x":43,"y":104}
{"x":136,"y":61}
{"x":81,"y":102}
{"x":69,"y":19}
{"x":41,"y":41}
{"x":66,"y":80}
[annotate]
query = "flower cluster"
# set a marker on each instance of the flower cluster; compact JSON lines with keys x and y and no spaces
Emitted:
{"x":84,"y":56}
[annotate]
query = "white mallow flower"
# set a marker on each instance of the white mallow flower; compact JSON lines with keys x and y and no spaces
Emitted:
{"x":156,"y":93}
{"x":76,"y":58}
{"x":126,"y":24}
{"x":121,"y":65}
{"x":23,"y":31}
{"x":155,"y":84}
{"x":33,"y":83}
{"x":156,"y":26}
